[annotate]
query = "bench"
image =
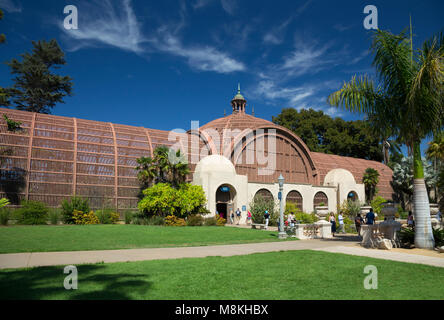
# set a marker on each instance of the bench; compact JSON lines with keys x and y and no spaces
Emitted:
{"x":257,"y":226}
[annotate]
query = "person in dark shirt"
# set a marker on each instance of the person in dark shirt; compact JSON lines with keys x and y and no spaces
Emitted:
{"x":358,"y":222}
{"x":370,"y":217}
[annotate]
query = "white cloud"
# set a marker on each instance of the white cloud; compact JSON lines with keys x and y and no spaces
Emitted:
{"x":229,"y":6}
{"x":10,"y":6}
{"x":201,"y":58}
{"x":276,"y":35}
{"x":109,"y":26}
{"x":118,"y":27}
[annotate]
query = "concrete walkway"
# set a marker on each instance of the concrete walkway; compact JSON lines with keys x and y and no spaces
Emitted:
{"x":23,"y":260}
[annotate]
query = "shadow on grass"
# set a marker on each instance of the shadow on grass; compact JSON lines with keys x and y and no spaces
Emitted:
{"x":94,"y":282}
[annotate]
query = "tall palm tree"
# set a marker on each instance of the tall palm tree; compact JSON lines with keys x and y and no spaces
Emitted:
{"x":435,"y":152}
{"x":410,"y":98}
{"x":370,"y":179}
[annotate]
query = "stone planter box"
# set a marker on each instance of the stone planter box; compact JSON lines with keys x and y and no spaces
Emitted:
{"x":321,"y":212}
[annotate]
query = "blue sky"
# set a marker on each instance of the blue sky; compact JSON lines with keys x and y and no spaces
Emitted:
{"x":161,"y":64}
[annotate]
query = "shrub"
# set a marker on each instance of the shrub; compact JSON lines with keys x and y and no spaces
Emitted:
{"x":305,"y":218}
{"x":438,"y":234}
{"x":84,"y":218}
{"x":5,"y":215}
{"x":195,"y":220}
{"x":32,"y":212}
{"x":4,"y":202}
{"x":258,"y":207}
{"x":54,"y":216}
{"x":128,"y":216}
{"x":406,"y":237}
{"x":377,"y":204}
{"x":211,"y":221}
{"x":220,"y":221}
{"x":75,"y":204}
{"x":174,"y":221}
{"x":107,"y":216}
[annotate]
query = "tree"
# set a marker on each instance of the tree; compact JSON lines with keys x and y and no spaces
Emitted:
{"x":166,"y":166}
{"x":321,"y":133}
{"x":2,"y":36}
{"x":370,"y":179}
{"x":36,"y":87}
{"x":410,"y":99}
{"x":435,"y":153}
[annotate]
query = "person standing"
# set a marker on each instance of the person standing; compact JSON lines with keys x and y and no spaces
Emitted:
{"x":410,"y":221}
{"x":267,"y":219}
{"x":248,"y":217}
{"x":231,"y":216}
{"x":341,"y":222}
{"x":358,"y":222}
{"x":238,"y":215}
{"x":370,"y":217}
{"x":332,"y":220}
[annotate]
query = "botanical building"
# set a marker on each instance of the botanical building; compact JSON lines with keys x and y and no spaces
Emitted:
{"x":233,"y":158}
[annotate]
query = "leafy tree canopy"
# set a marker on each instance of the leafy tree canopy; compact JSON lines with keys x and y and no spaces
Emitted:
{"x":322,"y":133}
{"x":36,"y":87}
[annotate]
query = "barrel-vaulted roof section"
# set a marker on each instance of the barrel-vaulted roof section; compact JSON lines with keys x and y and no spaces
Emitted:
{"x":326,"y":162}
{"x":54,"y":157}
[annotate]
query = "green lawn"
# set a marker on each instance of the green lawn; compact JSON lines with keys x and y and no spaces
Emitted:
{"x":104,"y":237}
{"x":278,"y":275}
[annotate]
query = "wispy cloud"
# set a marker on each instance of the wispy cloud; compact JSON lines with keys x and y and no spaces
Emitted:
{"x":200,"y":58}
{"x":229,"y":6}
{"x":276,"y":35}
{"x":10,"y":6}
{"x":118,"y":27}
{"x":107,"y":25}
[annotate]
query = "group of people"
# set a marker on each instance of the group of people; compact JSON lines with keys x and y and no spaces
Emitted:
{"x":236,"y":216}
{"x":370,"y":218}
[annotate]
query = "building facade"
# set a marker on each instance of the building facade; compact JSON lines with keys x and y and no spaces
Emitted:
{"x":233,"y":158}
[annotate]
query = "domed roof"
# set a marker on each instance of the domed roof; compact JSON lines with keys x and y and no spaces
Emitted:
{"x":215,"y":163}
{"x":238,"y":96}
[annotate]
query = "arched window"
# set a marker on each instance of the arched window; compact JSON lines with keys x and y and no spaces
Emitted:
{"x":266,"y":194}
{"x":296,"y":198}
{"x":353,"y":196}
{"x":320,"y":198}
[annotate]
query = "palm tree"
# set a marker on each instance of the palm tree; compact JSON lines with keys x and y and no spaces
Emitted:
{"x":179,"y":168}
{"x":435,"y":152}
{"x":370,"y":180}
{"x":410,"y":98}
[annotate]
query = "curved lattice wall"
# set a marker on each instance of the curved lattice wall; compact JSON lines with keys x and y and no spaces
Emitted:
{"x":53,"y":158}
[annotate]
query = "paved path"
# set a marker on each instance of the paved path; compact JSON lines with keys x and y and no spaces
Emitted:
{"x":23,"y":260}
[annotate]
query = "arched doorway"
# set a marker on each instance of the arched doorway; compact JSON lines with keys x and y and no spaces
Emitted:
{"x":320,"y":198}
{"x":353,"y":196}
{"x":264,"y":193}
{"x":225,"y":200}
{"x":296,"y":198}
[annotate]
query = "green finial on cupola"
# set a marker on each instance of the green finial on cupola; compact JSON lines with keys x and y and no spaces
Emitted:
{"x":238,"y":102}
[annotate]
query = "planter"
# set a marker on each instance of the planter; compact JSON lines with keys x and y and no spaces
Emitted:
{"x":321,"y":212}
{"x":365,"y":210}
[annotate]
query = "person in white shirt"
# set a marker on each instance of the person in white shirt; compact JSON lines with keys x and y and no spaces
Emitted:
{"x":341,"y":222}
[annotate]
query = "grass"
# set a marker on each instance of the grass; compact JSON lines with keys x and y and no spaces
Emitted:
{"x":279,"y":275}
{"x":106,"y":237}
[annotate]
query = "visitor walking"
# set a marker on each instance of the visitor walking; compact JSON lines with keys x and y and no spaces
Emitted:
{"x":358,"y":222}
{"x":231,"y":216}
{"x":410,"y":221}
{"x":370,"y":217}
{"x":332,"y":220}
{"x":267,"y":219}
{"x":341,"y":222}
{"x":238,"y":215}
{"x":248,"y":217}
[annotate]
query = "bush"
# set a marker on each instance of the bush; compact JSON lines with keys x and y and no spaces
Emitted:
{"x":377,"y":205}
{"x":32,"y":212}
{"x":220,"y":221}
{"x":258,"y":207}
{"x":195,"y":220}
{"x":75,"y":204}
{"x":211,"y":221}
{"x":5,"y":215}
{"x":438,"y":234}
{"x":305,"y":218}
{"x":406,"y":237}
{"x":54,"y":216}
{"x":107,"y":216}
{"x":128,"y":216}
{"x":85,"y":218}
{"x":174,"y":221}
